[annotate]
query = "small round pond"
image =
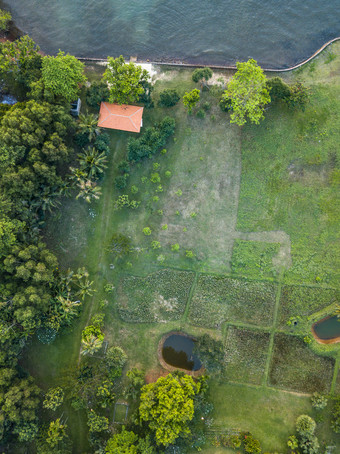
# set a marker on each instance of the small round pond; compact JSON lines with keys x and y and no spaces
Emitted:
{"x":327,"y":330}
{"x":178,"y":351}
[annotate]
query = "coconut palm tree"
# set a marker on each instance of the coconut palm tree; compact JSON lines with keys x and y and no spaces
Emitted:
{"x":67,"y":307}
{"x":91,"y":344}
{"x":88,"y":124}
{"x":88,"y":190}
{"x":92,"y":162}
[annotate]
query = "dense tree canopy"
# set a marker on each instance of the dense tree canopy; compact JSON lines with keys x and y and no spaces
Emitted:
{"x":168,"y":406}
{"x":248,"y":93}
{"x":125,"y":80}
{"x":63,"y":75}
{"x":191,"y":98}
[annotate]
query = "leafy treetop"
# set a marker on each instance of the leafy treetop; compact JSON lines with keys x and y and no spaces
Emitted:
{"x":248,"y":93}
{"x":168,"y":406}
{"x":125,"y":80}
{"x":62,"y":75}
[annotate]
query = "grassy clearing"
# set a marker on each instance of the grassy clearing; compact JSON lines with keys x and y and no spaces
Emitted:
{"x":254,"y":259}
{"x":246,"y":355}
{"x":295,"y":367}
{"x":268,"y":414}
{"x":301,"y":301}
{"x":289,"y":178}
{"x":159,"y":297}
{"x":219,"y":299}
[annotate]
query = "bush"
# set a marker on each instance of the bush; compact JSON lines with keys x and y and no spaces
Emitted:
{"x":102,"y":142}
{"x":299,"y":96}
{"x":5,"y":18}
{"x":206,"y":106}
{"x":305,"y":425}
{"x":147,"y":231}
{"x":151,"y":141}
{"x":124,"y":166}
{"x":210,"y":352}
{"x":251,"y":445}
{"x":319,"y":402}
{"x":201,"y":74}
{"x":225,"y":104}
{"x":200,"y":114}
{"x":96,"y":93}
{"x":278,"y":90}
{"x":121,"y":181}
{"x":168,"y":98}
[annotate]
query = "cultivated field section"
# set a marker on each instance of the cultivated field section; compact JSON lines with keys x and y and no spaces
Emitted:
{"x":231,"y":231}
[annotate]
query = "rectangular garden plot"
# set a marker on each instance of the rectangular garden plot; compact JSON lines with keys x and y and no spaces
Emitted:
{"x":246,"y":355}
{"x":295,"y":367}
{"x":254,"y":259}
{"x":219,"y":299}
{"x":159,"y":297}
{"x":301,"y":301}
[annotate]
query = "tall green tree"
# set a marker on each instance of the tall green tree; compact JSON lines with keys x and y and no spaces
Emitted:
{"x":127,"y":442}
{"x":191,"y":98}
{"x":62,"y":75}
{"x":167,"y":406}
{"x":248,"y":93}
{"x":126,"y":80}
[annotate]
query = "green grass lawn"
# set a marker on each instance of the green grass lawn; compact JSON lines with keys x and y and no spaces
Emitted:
{"x":257,"y":207}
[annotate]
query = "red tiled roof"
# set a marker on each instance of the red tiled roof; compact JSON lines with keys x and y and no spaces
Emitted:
{"x":124,"y":117}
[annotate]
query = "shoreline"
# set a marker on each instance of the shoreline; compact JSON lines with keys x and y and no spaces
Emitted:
{"x":222,"y":67}
{"x":14,"y":33}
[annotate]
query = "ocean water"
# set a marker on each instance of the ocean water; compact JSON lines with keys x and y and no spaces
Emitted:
{"x":277,"y":33}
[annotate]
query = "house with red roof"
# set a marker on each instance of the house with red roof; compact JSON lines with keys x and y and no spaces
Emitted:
{"x":122,"y":117}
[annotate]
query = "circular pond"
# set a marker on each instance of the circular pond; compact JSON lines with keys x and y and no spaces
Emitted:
{"x":178,"y":352}
{"x":327,"y":330}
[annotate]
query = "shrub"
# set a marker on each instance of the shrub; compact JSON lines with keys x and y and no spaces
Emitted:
{"x":155,"y":244}
{"x":5,"y":18}
{"x":124,"y":166}
{"x":147,"y":231}
{"x":200,"y":114}
{"x":175,"y":247}
{"x":164,"y":226}
{"x":102,"y":143}
{"x":168,"y":98}
{"x":134,"y":189}
{"x":168,"y":174}
{"x":155,"y":178}
{"x":96,"y":93}
{"x":206,"y":106}
{"x":151,"y":141}
{"x":299,"y":96}
{"x":201,"y":74}
{"x":189,"y":254}
{"x":305,"y":425}
{"x":225,"y":104}
{"x":121,"y":181}
{"x":123,"y":201}
{"x":319,"y":401}
{"x":53,"y":398}
{"x":278,"y":90}
{"x":156,"y":166}
{"x":210,"y":352}
{"x":251,"y":445}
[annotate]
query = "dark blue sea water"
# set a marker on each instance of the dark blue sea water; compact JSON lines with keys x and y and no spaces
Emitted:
{"x":277,"y":33}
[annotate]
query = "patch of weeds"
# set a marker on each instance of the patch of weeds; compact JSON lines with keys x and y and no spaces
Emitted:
{"x":179,"y":192}
{"x":175,"y":247}
{"x":155,"y":244}
{"x":246,"y":355}
{"x":301,"y":301}
{"x":164,"y":227}
{"x":155,"y":178}
{"x":147,"y":231}
{"x":159,"y":297}
{"x":193,"y":214}
{"x":254,"y":258}
{"x":295,"y":367}
{"x":219,"y":299}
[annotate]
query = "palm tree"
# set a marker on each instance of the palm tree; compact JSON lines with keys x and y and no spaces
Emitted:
{"x":91,"y":344}
{"x":92,"y":162}
{"x":88,"y":124}
{"x":68,"y":307}
{"x":88,"y":190}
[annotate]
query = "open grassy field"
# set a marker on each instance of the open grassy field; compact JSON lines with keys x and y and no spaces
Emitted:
{"x":257,"y":207}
